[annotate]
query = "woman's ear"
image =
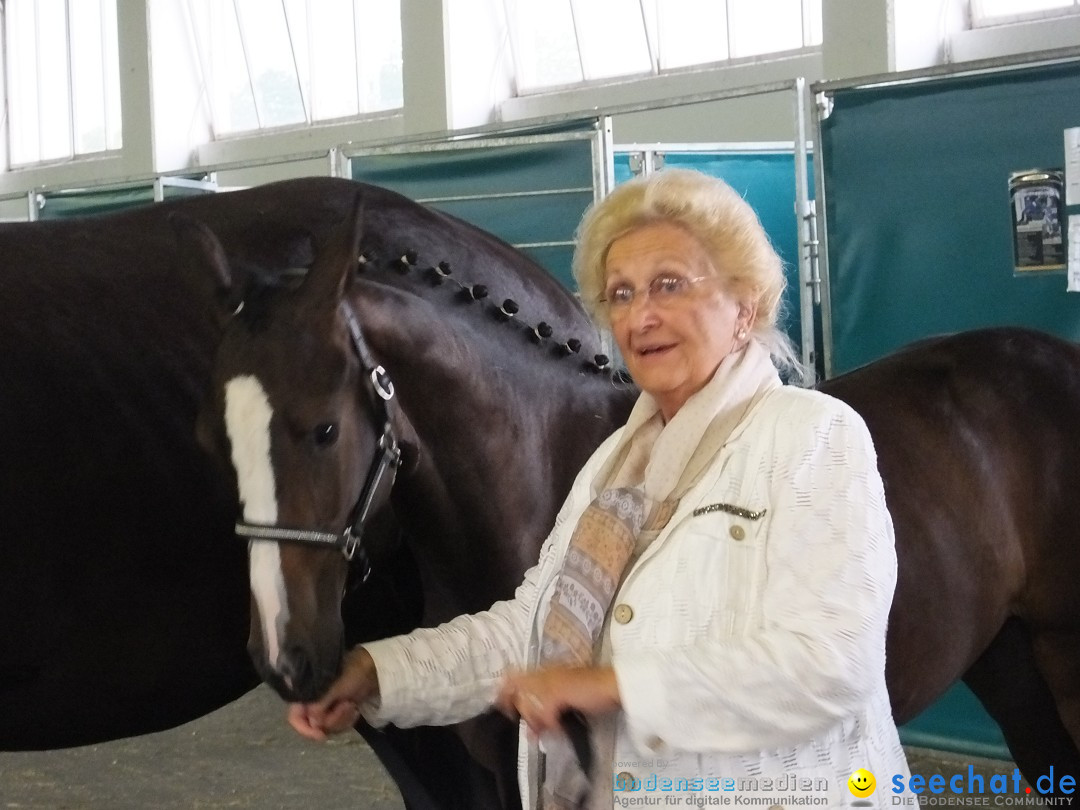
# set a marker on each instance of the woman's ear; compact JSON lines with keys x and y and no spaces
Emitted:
{"x":747,"y":315}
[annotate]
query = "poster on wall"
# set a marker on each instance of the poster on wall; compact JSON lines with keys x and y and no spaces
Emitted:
{"x":1073,"y":284}
{"x":1072,"y":166}
{"x":1072,"y":197}
{"x":1036,"y":215}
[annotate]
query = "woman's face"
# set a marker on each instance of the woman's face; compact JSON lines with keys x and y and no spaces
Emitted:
{"x":670,"y":314}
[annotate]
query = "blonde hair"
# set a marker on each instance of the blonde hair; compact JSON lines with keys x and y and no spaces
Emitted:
{"x":719,"y":218}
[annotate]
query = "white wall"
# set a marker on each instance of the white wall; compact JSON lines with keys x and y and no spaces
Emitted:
{"x":457,"y":75}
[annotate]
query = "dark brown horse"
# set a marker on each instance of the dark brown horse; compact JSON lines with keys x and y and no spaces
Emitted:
{"x":124,"y":596}
{"x":980,"y":454}
{"x":976,"y":437}
{"x":526,"y":388}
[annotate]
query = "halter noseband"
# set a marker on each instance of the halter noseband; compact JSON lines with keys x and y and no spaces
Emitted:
{"x":350,"y":540}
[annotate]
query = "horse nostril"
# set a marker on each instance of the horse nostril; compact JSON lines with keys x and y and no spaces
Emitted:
{"x":296,"y":669}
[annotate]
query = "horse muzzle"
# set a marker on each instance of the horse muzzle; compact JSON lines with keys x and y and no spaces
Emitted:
{"x":298,"y":672}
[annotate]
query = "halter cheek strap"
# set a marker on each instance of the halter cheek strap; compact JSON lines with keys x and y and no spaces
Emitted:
{"x":387,"y":460}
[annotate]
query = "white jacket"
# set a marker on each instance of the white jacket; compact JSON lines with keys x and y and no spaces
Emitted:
{"x":755,"y":649}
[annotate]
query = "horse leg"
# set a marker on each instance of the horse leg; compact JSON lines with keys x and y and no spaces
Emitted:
{"x":1057,"y":653}
{"x":492,"y":741}
{"x":413,"y":793}
{"x":1008,"y":679}
{"x":434,"y":771}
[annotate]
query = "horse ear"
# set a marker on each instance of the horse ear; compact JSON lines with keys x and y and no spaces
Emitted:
{"x":201,"y":251}
{"x":336,"y":260}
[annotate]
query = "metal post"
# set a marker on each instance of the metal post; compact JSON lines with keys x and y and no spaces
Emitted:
{"x":822,"y":107}
{"x":809,"y":294}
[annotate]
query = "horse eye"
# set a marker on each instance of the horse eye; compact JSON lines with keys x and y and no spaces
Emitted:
{"x":325,"y":434}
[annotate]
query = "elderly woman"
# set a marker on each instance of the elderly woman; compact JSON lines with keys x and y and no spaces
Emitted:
{"x":713,"y":597}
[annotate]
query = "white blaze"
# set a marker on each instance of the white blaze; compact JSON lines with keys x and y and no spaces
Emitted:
{"x":247,"y":422}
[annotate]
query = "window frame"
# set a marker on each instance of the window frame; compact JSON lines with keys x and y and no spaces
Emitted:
{"x":979,"y":20}
{"x":109,"y":115}
{"x":650,"y":23}
{"x":302,"y":74}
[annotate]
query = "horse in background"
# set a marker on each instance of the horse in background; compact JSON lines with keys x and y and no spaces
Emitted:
{"x":975,"y":434}
{"x":124,"y":592}
{"x":979,"y":449}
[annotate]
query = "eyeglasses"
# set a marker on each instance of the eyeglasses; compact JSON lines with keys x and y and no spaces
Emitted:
{"x":665,"y":290}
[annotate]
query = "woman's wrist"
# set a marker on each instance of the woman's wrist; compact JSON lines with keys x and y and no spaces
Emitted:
{"x":366,"y":676}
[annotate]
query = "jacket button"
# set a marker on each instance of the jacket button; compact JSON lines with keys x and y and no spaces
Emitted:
{"x":625,"y":781}
{"x":654,"y":743}
{"x":738,"y":532}
{"x":623,"y":614}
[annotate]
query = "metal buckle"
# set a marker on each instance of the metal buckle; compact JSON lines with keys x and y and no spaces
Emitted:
{"x":382,"y":383}
{"x":389,"y":447}
{"x":351,"y":543}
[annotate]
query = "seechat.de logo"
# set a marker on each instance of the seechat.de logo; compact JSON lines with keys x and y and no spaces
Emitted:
{"x":1000,"y":787}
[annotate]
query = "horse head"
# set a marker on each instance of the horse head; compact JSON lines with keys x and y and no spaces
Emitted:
{"x":294,"y":397}
{"x":493,"y":413}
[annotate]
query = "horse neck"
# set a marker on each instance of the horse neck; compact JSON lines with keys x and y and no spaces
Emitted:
{"x":503,"y":429}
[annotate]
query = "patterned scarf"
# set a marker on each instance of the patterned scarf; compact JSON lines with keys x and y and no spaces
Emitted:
{"x":639,"y":491}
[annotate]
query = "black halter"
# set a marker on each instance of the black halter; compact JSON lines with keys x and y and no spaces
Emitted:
{"x":350,"y":540}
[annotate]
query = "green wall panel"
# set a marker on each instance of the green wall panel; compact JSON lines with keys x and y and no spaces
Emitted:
{"x":84,"y":202}
{"x":519,"y":220}
{"x":919,"y":224}
{"x":957,"y":722}
{"x":487,"y":170}
{"x":920,"y":243}
{"x":526,"y":193}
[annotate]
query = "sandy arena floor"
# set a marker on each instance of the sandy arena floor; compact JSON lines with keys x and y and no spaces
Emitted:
{"x":244,"y":756}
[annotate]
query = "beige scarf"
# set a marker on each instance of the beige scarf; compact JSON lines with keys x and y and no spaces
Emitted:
{"x":638,"y":488}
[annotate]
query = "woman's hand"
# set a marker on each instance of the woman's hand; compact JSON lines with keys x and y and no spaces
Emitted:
{"x":339,"y":708}
{"x":540,"y":697}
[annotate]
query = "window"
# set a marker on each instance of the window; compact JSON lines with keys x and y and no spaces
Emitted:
{"x":63,"y":90}
{"x":296,"y":62}
{"x":558,"y":42}
{"x":995,"y":12}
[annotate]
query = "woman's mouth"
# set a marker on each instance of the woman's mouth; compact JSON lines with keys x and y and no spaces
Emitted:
{"x":650,"y":352}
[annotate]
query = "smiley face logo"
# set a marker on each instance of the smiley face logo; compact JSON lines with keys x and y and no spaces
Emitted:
{"x":861,"y":783}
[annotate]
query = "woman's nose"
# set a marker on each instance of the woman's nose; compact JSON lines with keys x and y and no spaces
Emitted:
{"x":641,"y":310}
